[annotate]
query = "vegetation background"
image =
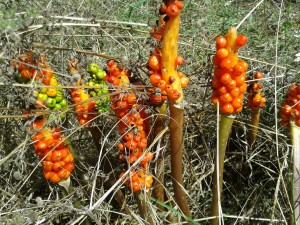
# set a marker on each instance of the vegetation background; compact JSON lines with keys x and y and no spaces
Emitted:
{"x":256,"y":182}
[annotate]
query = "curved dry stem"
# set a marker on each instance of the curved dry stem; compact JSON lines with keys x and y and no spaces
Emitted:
{"x":224,"y":131}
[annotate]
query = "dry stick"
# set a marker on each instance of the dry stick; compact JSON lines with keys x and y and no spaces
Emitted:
{"x":255,"y":113}
{"x":169,"y":55}
{"x":224,"y":131}
{"x":159,"y":191}
{"x":295,"y":134}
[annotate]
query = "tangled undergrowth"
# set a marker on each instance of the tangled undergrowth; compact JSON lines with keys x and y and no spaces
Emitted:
{"x":86,"y":108}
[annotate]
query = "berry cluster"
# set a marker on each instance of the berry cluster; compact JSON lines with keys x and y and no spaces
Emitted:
{"x":168,"y":83}
{"x":85,"y":109}
{"x":51,"y":98}
{"x":97,"y":80}
{"x":133,"y":125}
{"x":290,"y":109}
{"x":256,"y":98}
{"x":229,"y":74}
{"x":164,"y":88}
{"x":51,"y":148}
{"x":29,"y":66}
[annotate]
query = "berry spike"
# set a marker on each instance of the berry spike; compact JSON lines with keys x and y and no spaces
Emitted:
{"x":228,"y":91}
{"x":290,"y":118}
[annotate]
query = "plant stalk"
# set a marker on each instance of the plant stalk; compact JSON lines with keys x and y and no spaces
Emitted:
{"x":255,"y":113}
{"x":143,"y":198}
{"x":224,"y":131}
{"x":176,"y":143}
{"x":159,"y":191}
{"x":295,"y":135}
{"x":96,"y":135}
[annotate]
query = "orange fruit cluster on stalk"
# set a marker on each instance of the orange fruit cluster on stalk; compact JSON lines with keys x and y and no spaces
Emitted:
{"x":26,"y":65}
{"x":229,"y":74}
{"x":290,"y":110}
{"x":133,"y":126}
{"x":46,"y":97}
{"x":55,"y":154}
{"x":85,"y":111}
{"x":163,"y":88}
{"x":256,"y":98}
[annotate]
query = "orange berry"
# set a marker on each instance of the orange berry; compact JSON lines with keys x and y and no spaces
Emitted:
{"x":69,"y":167}
{"x":179,"y":60}
{"x":216,"y":83}
{"x":286,"y":110}
{"x":243,"y":88}
{"x":154,"y":62}
{"x":227,"y":108}
{"x":241,"y":40}
{"x":225,"y":98}
{"x":240,"y":80}
{"x":174,"y":95}
{"x":162,"y":84}
{"x":222,"y":53}
{"x":180,"y":4}
{"x":63,"y":174}
{"x":184,"y":81}
{"x":258,"y":75}
{"x":155,"y":78}
{"x":238,"y":70}
{"x":172,"y":10}
{"x":221,"y":42}
{"x":237,"y":102}
{"x":231,"y":85}
{"x":47,"y":165}
{"x":54,"y":178}
{"x":226,"y":63}
{"x":225,"y":78}
{"x":222,"y":90}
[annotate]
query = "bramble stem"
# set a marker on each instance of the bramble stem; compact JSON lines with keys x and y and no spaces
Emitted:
{"x":295,"y":135}
{"x":224,"y":131}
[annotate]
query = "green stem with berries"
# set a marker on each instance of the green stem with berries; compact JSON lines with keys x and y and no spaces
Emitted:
{"x":224,"y":131}
{"x":295,"y":184}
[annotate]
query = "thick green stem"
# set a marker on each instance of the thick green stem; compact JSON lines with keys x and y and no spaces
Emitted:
{"x":176,"y":143}
{"x":224,"y":131}
{"x":295,"y":134}
{"x":254,"y":126}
